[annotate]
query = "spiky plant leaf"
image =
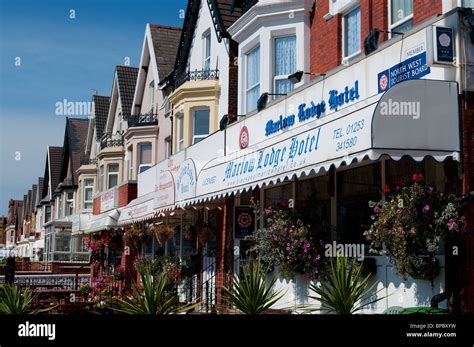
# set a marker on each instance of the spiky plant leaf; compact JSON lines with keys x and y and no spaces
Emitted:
{"x":250,"y":293}
{"x":344,"y":288}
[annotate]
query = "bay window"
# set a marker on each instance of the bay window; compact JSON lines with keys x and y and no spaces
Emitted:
{"x":284,"y":64}
{"x":252,"y":87}
{"x":88,"y":192}
{"x":200,"y":124}
{"x":112,"y":175}
{"x":352,"y":35}
{"x":401,"y":15}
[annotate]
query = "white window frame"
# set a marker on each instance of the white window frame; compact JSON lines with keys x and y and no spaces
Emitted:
{"x":151,"y":91}
{"x":102,"y":178}
{"x":46,"y":213}
{"x":139,"y":154}
{"x":179,"y":128}
{"x":391,"y":25}
{"x":247,"y":88}
{"x":343,"y":32}
{"x":193,"y":118}
{"x":206,"y":59}
{"x":85,"y":189}
{"x":168,"y":151}
{"x":68,"y":212}
{"x":281,"y":77}
{"x":113,"y":173}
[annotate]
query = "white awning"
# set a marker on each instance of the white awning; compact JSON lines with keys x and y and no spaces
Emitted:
{"x":39,"y":244}
{"x":138,"y":210}
{"x":80,"y":222}
{"x":426,"y":123}
{"x":103,"y":221}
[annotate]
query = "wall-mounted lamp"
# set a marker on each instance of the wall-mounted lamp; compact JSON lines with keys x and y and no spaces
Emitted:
{"x":371,"y":42}
{"x":224,"y":122}
{"x":298,"y":75}
{"x":262,"y":100}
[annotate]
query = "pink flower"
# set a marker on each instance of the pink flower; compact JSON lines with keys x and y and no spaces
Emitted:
{"x":451,"y":224}
{"x":376,"y":209}
{"x":426,"y":208}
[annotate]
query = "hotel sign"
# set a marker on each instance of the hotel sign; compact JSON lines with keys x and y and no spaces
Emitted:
{"x":109,"y":199}
{"x":295,"y":150}
{"x":164,"y":190}
{"x":337,"y":99}
{"x":412,"y":68}
{"x":186,"y":181}
{"x":366,"y":131}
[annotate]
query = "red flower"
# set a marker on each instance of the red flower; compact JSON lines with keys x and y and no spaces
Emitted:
{"x":386,"y":189}
{"x":417,"y":177}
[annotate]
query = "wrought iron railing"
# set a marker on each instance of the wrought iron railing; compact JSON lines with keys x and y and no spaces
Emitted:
{"x":138,"y":120}
{"x":197,"y":75}
{"x":109,"y":141}
{"x":89,"y":161}
{"x":50,"y":282}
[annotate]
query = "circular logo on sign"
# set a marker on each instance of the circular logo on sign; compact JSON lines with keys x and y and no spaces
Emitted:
{"x":244,"y":220}
{"x":244,"y":137}
{"x":444,"y":40}
{"x":383,"y":82}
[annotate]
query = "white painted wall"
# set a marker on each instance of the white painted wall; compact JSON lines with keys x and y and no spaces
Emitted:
{"x":219,"y":54}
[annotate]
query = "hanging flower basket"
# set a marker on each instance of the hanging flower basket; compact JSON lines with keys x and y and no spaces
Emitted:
{"x":410,"y":225}
{"x":163,"y":233}
{"x":189,"y":232}
{"x":423,"y":267}
{"x":205,"y":234}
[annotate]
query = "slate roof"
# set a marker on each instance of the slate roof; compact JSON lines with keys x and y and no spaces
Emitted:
{"x":165,"y":45}
{"x":40,"y":191}
{"x":33,"y":197}
{"x":101,"y":111}
{"x":74,"y":146}
{"x":55,"y":160}
{"x":127,"y":79}
{"x":229,"y":11}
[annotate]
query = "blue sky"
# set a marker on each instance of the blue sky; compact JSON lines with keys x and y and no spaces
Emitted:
{"x":60,"y":58}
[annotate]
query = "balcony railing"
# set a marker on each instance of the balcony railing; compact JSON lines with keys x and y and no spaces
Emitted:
{"x":140,"y":120}
{"x":197,"y":75}
{"x":89,"y":161}
{"x":109,"y":141}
